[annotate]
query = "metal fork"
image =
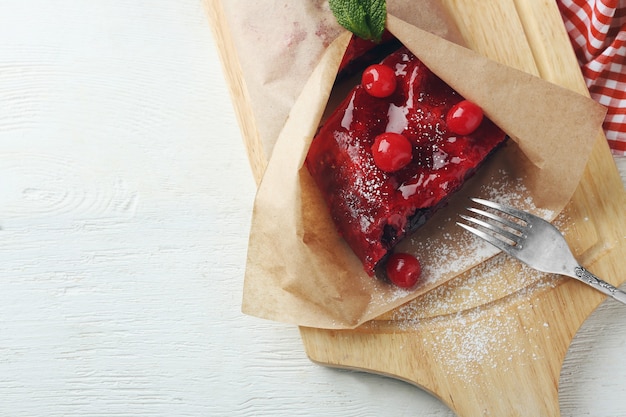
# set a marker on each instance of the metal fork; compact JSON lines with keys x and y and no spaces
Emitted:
{"x":533,"y":241}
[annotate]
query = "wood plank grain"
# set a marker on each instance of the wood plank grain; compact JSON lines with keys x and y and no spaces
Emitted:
{"x":478,"y":22}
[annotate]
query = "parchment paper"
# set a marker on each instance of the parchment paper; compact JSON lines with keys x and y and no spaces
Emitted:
{"x":300,"y":271}
{"x":279,"y":43}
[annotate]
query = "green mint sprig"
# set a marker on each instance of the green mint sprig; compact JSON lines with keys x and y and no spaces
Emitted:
{"x":365,"y":18}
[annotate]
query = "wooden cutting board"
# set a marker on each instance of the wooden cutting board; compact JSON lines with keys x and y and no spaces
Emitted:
{"x":490,"y":342}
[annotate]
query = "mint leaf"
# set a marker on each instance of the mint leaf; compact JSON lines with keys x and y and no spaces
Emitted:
{"x":365,"y":18}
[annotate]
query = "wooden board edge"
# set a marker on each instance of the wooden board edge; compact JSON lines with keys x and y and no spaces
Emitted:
{"x":237,"y":87}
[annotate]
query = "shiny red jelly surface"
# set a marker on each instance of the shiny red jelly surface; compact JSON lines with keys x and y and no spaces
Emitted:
{"x":374,"y":209}
{"x":361,"y":51}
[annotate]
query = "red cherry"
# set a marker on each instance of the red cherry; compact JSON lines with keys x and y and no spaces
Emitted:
{"x":379,"y":80}
{"x":403,"y":269}
{"x":391,"y":151}
{"x":464,"y":117}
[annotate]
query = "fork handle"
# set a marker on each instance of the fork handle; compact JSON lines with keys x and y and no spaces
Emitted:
{"x":588,"y":278}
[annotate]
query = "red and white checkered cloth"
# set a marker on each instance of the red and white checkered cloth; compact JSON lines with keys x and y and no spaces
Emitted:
{"x":597,"y":29}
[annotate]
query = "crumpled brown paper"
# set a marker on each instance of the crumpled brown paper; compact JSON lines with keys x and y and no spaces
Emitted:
{"x":279,"y":43}
{"x":300,"y":271}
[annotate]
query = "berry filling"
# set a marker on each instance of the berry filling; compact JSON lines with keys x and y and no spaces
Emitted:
{"x":464,"y":117}
{"x":391,"y":151}
{"x":361,"y":52}
{"x":379,"y":80}
{"x":403,"y":269}
{"x":375,"y":204}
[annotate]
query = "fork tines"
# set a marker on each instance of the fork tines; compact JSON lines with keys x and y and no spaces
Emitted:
{"x":504,"y":230}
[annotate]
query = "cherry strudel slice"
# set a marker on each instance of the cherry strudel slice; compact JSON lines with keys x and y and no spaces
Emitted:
{"x":373,"y":209}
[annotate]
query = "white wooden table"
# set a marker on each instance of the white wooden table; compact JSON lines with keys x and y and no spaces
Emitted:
{"x":125,"y":202}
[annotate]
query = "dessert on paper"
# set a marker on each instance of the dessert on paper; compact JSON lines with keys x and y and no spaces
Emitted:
{"x":393,"y":152}
{"x":299,"y":268}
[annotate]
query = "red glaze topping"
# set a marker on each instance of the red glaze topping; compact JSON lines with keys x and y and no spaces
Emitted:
{"x":360,"y":50}
{"x":374,"y":209}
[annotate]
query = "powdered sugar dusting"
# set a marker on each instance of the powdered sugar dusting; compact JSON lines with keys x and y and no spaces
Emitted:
{"x":520,"y":198}
{"x":459,"y":270}
{"x":449,"y":254}
{"x":478,"y":315}
{"x":491,"y":281}
{"x":481,"y":340}
{"x":469,"y":340}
